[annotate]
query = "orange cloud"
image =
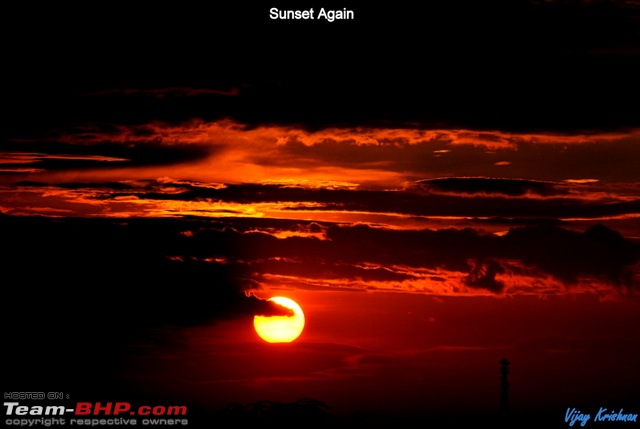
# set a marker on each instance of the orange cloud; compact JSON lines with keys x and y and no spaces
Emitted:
{"x":231,"y":152}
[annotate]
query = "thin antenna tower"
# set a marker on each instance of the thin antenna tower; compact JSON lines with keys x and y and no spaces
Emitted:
{"x":504,"y":387}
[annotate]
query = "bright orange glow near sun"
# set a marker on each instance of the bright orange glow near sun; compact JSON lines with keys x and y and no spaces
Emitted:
{"x":280,"y":329}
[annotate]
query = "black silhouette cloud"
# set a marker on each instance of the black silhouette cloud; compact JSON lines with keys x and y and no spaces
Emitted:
{"x":486,"y":185}
{"x":128,"y":270}
{"x":58,"y":155}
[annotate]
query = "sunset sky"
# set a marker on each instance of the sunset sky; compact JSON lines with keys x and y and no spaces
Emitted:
{"x":439,"y":188}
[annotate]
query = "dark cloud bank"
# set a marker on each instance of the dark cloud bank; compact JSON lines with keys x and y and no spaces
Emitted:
{"x":149,"y":272}
{"x":515,"y":65}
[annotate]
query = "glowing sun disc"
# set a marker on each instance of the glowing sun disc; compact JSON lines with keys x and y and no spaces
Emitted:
{"x":280,"y":329}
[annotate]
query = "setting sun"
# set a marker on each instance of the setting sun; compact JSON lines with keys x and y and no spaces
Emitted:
{"x":280,"y":329}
